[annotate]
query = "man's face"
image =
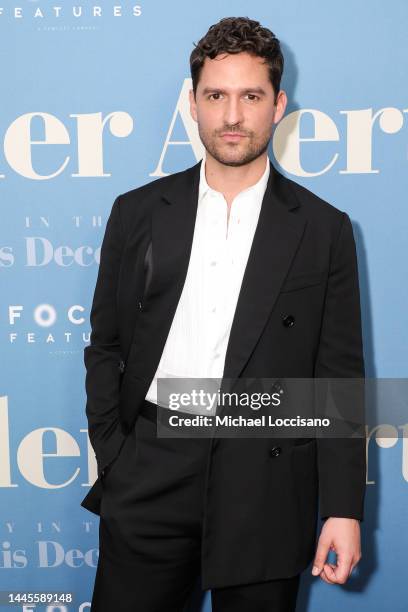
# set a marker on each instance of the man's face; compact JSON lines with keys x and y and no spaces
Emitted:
{"x":235,"y":108}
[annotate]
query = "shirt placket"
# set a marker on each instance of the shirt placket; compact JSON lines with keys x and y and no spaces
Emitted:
{"x":228,"y":271}
{"x":217,"y":279}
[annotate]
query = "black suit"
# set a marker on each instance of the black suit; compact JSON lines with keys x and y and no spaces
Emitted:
{"x":298,"y":316}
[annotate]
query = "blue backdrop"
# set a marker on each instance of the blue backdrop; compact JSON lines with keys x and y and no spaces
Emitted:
{"x":94,"y":103}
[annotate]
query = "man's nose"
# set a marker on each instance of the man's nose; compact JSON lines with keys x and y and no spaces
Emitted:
{"x":233,"y":112}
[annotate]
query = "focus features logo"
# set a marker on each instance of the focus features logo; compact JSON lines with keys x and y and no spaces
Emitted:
{"x":56,"y":13}
{"x":45,"y":324}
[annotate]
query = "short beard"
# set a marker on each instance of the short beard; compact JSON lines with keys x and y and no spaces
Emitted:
{"x":253,"y":152}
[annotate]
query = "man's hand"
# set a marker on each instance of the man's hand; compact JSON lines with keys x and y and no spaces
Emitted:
{"x":343,"y":536}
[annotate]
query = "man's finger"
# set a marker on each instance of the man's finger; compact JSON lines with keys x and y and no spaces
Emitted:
{"x":321,"y":556}
{"x":339,"y":573}
{"x":343,"y":568}
{"x":325,"y":577}
{"x":329,"y":573}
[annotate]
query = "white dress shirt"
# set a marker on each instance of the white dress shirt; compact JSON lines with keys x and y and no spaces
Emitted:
{"x":197,"y":341}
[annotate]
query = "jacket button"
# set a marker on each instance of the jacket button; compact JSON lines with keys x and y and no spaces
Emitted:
{"x":288,"y":320}
{"x":277,"y":388}
{"x":140,"y":305}
{"x":275,"y":451}
{"x":121,"y":366}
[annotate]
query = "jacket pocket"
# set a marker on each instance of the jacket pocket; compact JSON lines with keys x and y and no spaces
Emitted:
{"x":104,"y":471}
{"x":302,"y":281}
{"x":303,"y":441}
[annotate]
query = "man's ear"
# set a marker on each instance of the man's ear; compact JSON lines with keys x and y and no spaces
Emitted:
{"x":193,"y":105}
{"x":281,"y":102}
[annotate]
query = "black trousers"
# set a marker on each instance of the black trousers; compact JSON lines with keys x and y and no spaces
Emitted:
{"x":150,"y":531}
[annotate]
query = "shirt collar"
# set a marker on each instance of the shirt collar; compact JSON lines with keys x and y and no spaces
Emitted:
{"x":258,"y":188}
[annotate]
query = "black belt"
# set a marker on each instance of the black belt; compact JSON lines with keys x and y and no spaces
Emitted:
{"x":150,"y":410}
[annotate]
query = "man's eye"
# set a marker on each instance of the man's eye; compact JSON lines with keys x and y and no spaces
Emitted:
{"x":217,"y":96}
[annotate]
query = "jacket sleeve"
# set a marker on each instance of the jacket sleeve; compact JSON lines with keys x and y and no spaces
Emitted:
{"x":342,"y":460}
{"x":102,"y":357}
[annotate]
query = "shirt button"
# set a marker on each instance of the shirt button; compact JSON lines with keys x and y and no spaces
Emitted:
{"x":214,"y":309}
{"x":213,"y":263}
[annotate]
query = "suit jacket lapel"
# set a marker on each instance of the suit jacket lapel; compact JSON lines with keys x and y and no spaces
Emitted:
{"x":167,"y":259}
{"x":173,"y":225}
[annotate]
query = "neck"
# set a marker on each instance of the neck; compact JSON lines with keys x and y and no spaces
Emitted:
{"x":230,"y":180}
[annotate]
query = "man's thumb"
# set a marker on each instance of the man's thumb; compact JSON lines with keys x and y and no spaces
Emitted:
{"x":320,"y":559}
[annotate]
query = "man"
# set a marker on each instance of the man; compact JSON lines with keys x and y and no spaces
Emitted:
{"x":226,"y":269}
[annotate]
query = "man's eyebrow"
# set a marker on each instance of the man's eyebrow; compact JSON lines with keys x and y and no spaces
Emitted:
{"x":258,"y":90}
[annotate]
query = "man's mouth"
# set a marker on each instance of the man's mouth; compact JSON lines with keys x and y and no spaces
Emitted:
{"x":232,"y":136}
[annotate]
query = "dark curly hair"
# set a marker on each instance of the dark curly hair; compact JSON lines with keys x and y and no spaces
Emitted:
{"x":235,"y":35}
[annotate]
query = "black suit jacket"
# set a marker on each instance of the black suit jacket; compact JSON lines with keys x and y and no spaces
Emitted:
{"x":261,"y":508}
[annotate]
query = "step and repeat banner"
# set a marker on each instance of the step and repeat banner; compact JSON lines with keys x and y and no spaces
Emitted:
{"x":94,"y":103}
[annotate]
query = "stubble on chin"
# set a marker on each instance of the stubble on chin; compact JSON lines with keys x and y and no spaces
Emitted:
{"x":233,"y":154}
